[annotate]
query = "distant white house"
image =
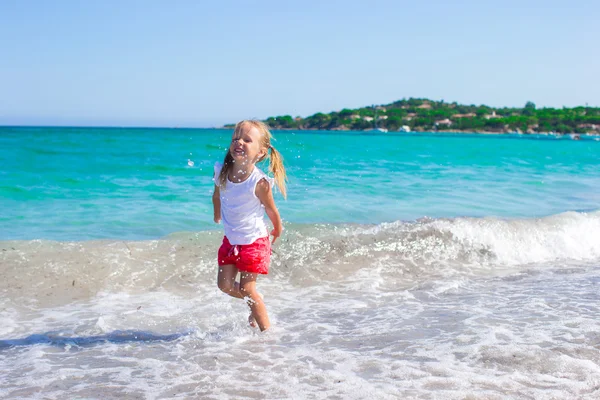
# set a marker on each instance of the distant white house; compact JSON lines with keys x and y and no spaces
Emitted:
{"x":368,"y":119}
{"x":446,"y":122}
{"x":404,"y":128}
{"x":590,"y":127}
{"x":492,"y":115}
{"x":382,"y":117}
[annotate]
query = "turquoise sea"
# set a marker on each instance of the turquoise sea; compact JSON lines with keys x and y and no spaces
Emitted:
{"x":93,"y":183}
{"x":412,"y":265}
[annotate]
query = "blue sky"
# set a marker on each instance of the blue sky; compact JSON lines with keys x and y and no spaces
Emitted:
{"x":203,"y":64}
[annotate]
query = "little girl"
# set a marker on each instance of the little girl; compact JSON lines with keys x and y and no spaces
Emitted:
{"x":242,"y":194}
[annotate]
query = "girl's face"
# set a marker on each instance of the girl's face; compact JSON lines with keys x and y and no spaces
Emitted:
{"x":245,"y":146}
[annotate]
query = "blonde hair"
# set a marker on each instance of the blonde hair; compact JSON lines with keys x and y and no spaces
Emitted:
{"x":275,"y":158}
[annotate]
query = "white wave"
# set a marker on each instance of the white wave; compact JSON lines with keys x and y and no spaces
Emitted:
{"x":566,"y":236}
{"x":389,"y":254}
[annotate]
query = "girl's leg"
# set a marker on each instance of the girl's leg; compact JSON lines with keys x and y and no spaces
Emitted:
{"x":226,"y":281}
{"x":255,"y":301}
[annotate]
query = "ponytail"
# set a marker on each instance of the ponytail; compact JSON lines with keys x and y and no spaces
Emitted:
{"x":227,"y":164}
{"x":278,"y":170}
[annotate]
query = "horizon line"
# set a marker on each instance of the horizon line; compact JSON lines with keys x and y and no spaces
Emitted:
{"x":107,"y":126}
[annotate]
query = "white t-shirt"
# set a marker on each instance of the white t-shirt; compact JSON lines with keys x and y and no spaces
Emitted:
{"x":242,"y":212}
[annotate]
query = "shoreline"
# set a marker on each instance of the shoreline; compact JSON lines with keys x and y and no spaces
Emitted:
{"x":229,"y":128}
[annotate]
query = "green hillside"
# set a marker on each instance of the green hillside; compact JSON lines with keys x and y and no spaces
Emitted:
{"x":430,"y":115}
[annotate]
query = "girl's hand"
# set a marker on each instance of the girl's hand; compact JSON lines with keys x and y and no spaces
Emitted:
{"x":276,"y":233}
{"x":217,"y":219}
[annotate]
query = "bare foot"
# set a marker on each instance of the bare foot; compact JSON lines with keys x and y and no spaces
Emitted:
{"x":252,"y":320}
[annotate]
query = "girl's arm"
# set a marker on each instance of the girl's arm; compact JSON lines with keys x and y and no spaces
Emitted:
{"x":216,"y":199}
{"x":265,"y":195}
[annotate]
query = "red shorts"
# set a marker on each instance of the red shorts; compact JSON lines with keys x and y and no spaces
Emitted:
{"x":254,"y":257}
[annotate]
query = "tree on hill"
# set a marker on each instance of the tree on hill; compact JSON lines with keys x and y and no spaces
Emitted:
{"x":529,"y":108}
